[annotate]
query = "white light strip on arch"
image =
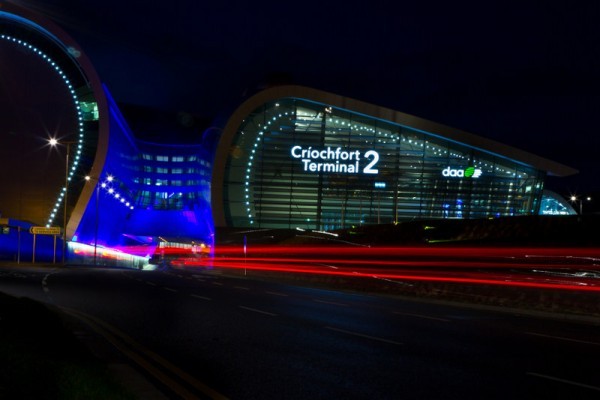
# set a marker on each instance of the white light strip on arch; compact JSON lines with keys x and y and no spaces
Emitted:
{"x":74,"y":165}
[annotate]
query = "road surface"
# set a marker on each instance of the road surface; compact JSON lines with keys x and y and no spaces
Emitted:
{"x":199,"y":333}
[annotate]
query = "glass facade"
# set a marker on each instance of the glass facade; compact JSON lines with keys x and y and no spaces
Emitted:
{"x":553,"y":204}
{"x":299,"y":163}
{"x":172,"y":177}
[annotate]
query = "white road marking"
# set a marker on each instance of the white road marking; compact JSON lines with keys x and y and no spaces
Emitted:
{"x":329,"y":266}
{"x":422,"y":316}
{"x":45,"y":284}
{"x":150,"y":283}
{"x":200,"y":297}
{"x":563,"y":338}
{"x":278,"y":294}
{"x":217,"y":283}
{"x":363,"y":335}
{"x":552,"y":378}
{"x":331,"y":302}
{"x":241,"y":288}
{"x":258,"y":311}
{"x":170,"y":290}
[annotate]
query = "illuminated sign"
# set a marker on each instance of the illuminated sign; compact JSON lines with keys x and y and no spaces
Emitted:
{"x":469,"y":172}
{"x":336,"y":160}
{"x":42,"y":230}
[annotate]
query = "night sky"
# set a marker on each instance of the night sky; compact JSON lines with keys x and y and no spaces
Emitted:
{"x":522,"y":73}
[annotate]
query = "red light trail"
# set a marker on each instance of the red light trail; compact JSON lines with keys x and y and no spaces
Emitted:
{"x":576,"y":269}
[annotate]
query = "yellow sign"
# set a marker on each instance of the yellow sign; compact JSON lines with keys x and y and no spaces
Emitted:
{"x":42,"y":230}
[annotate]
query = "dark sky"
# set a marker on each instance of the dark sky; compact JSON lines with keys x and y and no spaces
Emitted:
{"x":524,"y":73}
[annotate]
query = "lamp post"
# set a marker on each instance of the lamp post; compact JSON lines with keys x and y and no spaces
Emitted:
{"x":99,"y":185}
{"x":87,"y":178}
{"x":54,"y":142}
{"x":576,"y":199}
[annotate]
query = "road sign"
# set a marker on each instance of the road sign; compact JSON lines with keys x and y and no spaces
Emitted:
{"x":42,"y":230}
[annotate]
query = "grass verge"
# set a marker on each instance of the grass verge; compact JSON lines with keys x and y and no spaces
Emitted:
{"x":42,"y":359}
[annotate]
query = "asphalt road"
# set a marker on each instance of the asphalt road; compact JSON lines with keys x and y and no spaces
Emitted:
{"x":199,"y":333}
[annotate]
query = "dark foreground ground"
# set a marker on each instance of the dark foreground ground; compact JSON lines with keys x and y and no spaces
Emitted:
{"x":42,"y":359}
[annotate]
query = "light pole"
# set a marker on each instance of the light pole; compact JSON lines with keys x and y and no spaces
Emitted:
{"x":576,"y":199}
{"x":99,"y":185}
{"x":54,"y":142}
{"x":87,"y":178}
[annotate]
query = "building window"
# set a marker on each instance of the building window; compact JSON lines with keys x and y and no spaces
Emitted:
{"x":162,"y":158}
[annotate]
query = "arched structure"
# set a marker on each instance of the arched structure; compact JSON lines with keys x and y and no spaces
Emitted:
{"x":38,"y":39}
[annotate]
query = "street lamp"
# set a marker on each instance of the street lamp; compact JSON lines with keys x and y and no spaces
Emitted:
{"x":576,"y":199}
{"x":54,"y":143}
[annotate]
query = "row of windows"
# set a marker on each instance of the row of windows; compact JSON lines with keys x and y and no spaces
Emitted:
{"x":163,"y":158}
{"x":162,"y":170}
{"x":172,"y":182}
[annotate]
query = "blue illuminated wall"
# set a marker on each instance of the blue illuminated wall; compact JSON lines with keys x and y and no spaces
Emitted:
{"x":147,"y":192}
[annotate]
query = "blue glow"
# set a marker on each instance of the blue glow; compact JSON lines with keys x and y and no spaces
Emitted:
{"x":128,"y":213}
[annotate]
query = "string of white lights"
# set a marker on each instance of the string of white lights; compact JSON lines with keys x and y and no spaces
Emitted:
{"x":107,"y":186}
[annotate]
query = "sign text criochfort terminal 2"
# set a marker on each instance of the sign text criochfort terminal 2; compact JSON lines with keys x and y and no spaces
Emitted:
{"x":343,"y":161}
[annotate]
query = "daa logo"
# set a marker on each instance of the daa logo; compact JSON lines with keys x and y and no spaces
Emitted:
{"x":469,"y":172}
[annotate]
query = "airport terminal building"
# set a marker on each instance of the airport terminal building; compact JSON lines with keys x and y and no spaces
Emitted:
{"x":288,"y":157}
{"x":298,"y":157}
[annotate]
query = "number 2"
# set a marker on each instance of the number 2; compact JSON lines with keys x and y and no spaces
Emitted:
{"x":369,"y":168}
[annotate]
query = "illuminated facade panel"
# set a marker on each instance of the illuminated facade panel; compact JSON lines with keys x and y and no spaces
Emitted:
{"x":296,"y":162}
{"x":146,"y":191}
